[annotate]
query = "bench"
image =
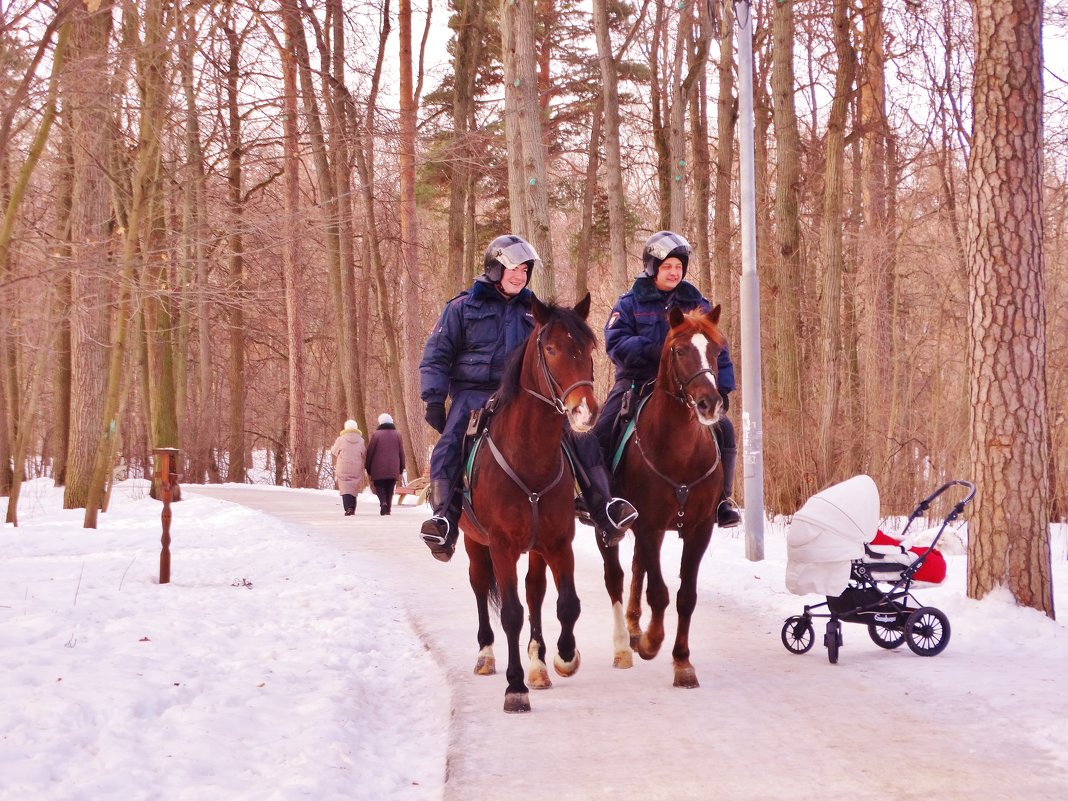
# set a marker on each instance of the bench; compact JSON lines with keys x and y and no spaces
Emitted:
{"x":418,"y":488}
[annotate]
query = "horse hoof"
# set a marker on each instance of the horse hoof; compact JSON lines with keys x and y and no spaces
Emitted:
{"x":538,"y":679}
{"x":623,"y":660}
{"x":485,"y":665}
{"x":686,"y":678}
{"x":565,"y":668}
{"x":516,"y":702}
{"x":646,"y":649}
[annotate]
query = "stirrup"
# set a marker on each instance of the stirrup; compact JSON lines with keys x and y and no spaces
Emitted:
{"x":628,"y":514}
{"x":441,"y":546}
{"x":727,"y":514}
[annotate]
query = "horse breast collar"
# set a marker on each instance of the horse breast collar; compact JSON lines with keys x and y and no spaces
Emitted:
{"x":533,"y":496}
{"x":682,"y":491}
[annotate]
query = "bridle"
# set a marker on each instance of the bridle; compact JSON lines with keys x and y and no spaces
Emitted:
{"x":556,"y":395}
{"x":680,"y":394}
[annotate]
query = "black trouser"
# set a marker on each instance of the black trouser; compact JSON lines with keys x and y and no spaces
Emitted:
{"x":384,"y":490}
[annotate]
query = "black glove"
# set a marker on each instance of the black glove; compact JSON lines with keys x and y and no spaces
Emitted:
{"x":726,"y":401}
{"x":435,"y":415}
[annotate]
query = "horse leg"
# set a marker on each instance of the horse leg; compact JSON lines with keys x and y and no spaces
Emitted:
{"x":613,"y":583}
{"x":516,"y":696}
{"x":694,"y":544}
{"x":634,"y":601}
{"x":537,"y":672}
{"x":567,"y":660}
{"x":656,"y":593}
{"x":480,"y":574}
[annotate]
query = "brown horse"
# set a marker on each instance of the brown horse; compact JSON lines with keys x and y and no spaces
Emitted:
{"x":522,"y":495}
{"x":671,"y":471}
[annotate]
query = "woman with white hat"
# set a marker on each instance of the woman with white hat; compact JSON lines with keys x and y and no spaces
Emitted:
{"x":385,"y":461}
{"x":348,"y":453}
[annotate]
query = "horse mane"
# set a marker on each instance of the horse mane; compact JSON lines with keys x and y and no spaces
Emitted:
{"x":513,"y":368}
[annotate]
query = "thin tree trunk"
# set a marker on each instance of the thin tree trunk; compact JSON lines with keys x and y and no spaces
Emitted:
{"x":302,"y":472}
{"x":723,"y":283}
{"x":608,"y":100}
{"x":235,"y":203}
{"x":528,"y":179}
{"x":831,"y":370}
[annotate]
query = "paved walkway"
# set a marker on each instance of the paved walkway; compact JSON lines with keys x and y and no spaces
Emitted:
{"x":764,"y":725}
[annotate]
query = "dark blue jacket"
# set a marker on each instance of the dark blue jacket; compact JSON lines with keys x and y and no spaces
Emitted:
{"x":638,"y":326}
{"x":472,"y":340}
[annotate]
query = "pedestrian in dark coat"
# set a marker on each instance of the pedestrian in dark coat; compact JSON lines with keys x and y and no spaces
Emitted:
{"x":348,"y":451}
{"x":385,"y":461}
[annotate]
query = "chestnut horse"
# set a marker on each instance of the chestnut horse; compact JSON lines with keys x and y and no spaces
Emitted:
{"x":522,"y":493}
{"x":671,"y":471}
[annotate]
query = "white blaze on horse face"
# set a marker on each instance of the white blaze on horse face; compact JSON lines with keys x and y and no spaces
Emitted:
{"x":701,"y":342}
{"x":581,"y":417}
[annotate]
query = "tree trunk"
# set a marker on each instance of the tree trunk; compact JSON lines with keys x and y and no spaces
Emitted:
{"x":786,"y":373}
{"x":92,"y":289}
{"x":609,"y":102}
{"x":528,"y":179}
{"x":831,"y":361}
{"x":1008,"y":535}
{"x":236,"y":446}
{"x":722,"y":281}
{"x":301,"y":466}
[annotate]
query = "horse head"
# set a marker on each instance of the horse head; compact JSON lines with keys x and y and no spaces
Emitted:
{"x":565,"y":346}
{"x":688,"y":362}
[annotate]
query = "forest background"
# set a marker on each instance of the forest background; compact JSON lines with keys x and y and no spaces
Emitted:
{"x":229,"y":226}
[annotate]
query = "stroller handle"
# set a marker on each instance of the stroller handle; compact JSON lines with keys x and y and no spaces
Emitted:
{"x":958,"y":507}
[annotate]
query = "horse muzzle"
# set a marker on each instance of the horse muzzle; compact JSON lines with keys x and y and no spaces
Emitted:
{"x":582,"y":415}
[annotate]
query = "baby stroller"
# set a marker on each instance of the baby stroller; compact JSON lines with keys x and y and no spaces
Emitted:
{"x":834,"y":548}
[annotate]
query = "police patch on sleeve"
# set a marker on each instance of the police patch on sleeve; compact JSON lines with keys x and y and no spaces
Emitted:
{"x":612,"y":319}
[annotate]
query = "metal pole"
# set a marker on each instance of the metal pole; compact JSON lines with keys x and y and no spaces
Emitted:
{"x":752,"y":418}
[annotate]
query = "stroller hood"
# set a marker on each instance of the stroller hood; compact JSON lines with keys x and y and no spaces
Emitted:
{"x":828,"y":533}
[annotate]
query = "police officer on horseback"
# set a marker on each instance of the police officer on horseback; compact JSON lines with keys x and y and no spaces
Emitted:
{"x":634,"y":338}
{"x":464,"y":359}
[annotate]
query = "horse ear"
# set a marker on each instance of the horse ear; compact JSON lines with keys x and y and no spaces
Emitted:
{"x":582,"y":308}
{"x":713,"y":315}
{"x":675,"y":317}
{"x":541,"y":313}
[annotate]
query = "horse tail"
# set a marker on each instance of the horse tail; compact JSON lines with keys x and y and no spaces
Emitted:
{"x":494,"y":592}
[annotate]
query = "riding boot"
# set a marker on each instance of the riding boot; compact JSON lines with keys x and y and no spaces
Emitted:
{"x":727,"y":515}
{"x":348,"y":501}
{"x":440,"y":531}
{"x":612,"y":517}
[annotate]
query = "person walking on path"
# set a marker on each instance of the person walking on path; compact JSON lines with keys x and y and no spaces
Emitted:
{"x":348,"y":452}
{"x":385,"y":461}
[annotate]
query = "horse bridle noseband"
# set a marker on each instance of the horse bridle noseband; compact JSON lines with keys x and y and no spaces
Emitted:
{"x":680,"y":394}
{"x":557,"y":395}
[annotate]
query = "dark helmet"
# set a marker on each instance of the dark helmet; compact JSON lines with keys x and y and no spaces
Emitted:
{"x":660,"y":246}
{"x":509,"y":251}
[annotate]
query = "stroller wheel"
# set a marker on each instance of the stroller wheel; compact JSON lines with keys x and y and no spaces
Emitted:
{"x":833,"y":640}
{"x":798,"y":634}
{"x":927,"y":630}
{"x":884,"y":637}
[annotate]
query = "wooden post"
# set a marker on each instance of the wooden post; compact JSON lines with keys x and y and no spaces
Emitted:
{"x":168,"y":478}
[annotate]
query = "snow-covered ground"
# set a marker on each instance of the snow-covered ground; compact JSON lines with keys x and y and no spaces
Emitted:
{"x":328,"y":657}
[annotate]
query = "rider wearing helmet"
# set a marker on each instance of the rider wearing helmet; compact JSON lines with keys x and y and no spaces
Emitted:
{"x":464,"y":359}
{"x":634,"y":338}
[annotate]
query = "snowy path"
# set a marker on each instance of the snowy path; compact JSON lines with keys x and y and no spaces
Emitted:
{"x":763,"y":725}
